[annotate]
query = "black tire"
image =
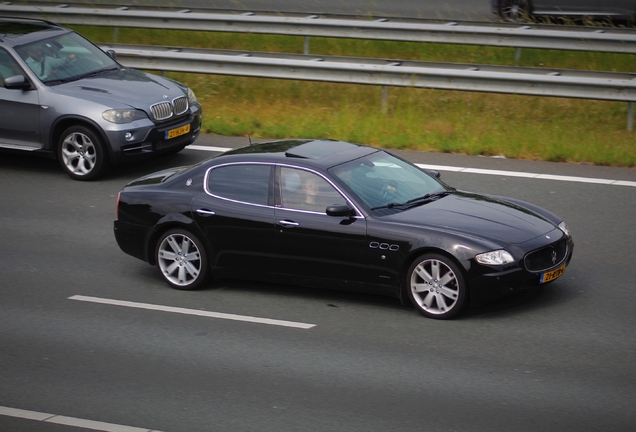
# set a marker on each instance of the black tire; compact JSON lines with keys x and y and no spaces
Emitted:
{"x":514,"y":10}
{"x":436,"y":286}
{"x":182,"y":259}
{"x":82,"y":154}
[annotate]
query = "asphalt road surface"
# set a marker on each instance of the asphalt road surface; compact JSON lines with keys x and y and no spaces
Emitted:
{"x":561,"y":358}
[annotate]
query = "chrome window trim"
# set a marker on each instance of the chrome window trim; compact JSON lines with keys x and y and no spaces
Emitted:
{"x":206,"y":188}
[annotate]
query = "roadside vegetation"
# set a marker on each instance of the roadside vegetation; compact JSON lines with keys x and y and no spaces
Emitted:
{"x":522,"y":127}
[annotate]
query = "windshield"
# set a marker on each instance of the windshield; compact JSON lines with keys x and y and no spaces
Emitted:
{"x":383,"y":180}
{"x":64,"y":58}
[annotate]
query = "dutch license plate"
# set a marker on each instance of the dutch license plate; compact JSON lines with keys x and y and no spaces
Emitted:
{"x":172,"y":133}
{"x":552,"y":275}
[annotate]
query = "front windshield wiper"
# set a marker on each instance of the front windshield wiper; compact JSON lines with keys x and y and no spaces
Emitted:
{"x":417,"y":201}
{"x":98,"y":72}
{"x":428,"y":197}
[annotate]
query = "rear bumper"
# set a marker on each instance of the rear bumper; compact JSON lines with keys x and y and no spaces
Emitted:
{"x":134,"y":239}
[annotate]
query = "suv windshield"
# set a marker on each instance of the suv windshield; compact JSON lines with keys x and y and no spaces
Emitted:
{"x":383,"y":180}
{"x":66,"y":57}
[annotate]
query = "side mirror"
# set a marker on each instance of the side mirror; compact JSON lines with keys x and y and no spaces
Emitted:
{"x":17,"y":82}
{"x":112,"y":54}
{"x":435,"y":173}
{"x":340,"y":210}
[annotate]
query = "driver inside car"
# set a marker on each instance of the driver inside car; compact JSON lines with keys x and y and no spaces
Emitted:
{"x":42,"y":64}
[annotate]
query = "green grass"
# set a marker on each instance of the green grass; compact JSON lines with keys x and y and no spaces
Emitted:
{"x":524,"y":127}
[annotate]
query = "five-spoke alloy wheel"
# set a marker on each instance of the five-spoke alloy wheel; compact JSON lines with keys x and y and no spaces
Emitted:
{"x":436,"y":286}
{"x":81,"y":153}
{"x":182,"y":259}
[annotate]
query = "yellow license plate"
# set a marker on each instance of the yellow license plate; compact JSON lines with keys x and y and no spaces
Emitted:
{"x":552,"y":275}
{"x":172,"y":133}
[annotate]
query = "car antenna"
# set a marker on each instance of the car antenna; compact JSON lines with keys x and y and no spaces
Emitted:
{"x":249,"y":138}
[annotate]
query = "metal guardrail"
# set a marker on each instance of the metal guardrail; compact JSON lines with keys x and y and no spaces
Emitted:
{"x":467,"y":77}
{"x":602,"y":39}
{"x":448,"y":76}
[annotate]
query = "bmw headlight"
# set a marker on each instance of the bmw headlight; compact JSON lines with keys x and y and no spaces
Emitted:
{"x":121,"y":116}
{"x":563,"y":227}
{"x":192,"y":99}
{"x":497,"y":257}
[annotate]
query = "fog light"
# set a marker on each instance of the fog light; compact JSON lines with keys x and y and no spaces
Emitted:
{"x":128,"y":136}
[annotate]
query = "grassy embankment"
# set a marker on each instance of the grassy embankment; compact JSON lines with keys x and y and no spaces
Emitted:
{"x":524,"y":127}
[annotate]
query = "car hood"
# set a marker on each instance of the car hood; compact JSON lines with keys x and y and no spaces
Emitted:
{"x":477,"y":215}
{"x":124,"y":86}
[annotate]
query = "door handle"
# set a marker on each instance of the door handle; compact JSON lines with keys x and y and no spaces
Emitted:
{"x":204,"y":212}
{"x":287,"y":223}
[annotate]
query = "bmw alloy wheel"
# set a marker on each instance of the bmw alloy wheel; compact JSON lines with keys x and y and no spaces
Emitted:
{"x":436,"y":286}
{"x":81,"y":153}
{"x":182,"y":260}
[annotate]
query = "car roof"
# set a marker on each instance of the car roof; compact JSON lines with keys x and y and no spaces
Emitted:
{"x":19,"y":31}
{"x":306,"y":152}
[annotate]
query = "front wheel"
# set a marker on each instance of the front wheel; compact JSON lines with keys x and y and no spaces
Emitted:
{"x":82,"y":153}
{"x":182,"y":260}
{"x":436,"y":286}
{"x":514,"y":10}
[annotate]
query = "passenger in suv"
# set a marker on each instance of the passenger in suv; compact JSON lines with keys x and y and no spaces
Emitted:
{"x":63,"y":97}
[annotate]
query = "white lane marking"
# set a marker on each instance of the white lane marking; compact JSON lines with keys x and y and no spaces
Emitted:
{"x":69,"y":421}
{"x":485,"y":171}
{"x":529,"y":175}
{"x":192,"y":312}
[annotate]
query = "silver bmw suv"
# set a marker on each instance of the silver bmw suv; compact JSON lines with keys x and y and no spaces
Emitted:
{"x":63,"y":97}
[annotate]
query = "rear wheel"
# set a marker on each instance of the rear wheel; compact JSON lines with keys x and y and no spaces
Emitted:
{"x":514,"y":10}
{"x":82,"y":153}
{"x":182,"y":259}
{"x":436,"y":286}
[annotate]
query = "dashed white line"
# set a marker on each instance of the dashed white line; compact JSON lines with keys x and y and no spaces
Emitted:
{"x":195,"y":312}
{"x":69,"y":421}
{"x":484,"y":171}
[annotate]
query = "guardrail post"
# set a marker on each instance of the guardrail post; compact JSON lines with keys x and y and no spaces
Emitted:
{"x":115,"y":33}
{"x":385,"y":94}
{"x":517,"y":56}
{"x":306,"y":48}
{"x":630,"y":116}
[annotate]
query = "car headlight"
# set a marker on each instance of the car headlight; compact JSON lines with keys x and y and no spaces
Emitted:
{"x":121,"y":116}
{"x":497,"y":257}
{"x":192,"y":99}
{"x":563,"y":227}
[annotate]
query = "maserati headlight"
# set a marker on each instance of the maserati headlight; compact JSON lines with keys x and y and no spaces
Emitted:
{"x":497,"y":257}
{"x":563,"y":227}
{"x":121,"y":116}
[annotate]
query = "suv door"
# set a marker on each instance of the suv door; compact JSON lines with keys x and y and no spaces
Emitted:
{"x":19,"y":110}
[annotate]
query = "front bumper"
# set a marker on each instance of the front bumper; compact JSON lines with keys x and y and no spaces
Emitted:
{"x":151,"y":139}
{"x":488,"y":286}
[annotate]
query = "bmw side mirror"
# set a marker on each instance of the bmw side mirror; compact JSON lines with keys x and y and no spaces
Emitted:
{"x":17,"y":82}
{"x":340,"y":210}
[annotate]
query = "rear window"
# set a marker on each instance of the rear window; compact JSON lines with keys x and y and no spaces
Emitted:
{"x":244,"y":182}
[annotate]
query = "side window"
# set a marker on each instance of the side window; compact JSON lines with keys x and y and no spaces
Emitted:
{"x":245,"y":182}
{"x":8,"y":66}
{"x":303,"y":190}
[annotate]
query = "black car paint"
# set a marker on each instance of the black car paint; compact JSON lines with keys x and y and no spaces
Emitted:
{"x":368,"y":252}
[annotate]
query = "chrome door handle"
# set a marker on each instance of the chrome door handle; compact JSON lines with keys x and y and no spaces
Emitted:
{"x":204,"y":212}
{"x":287,"y":223}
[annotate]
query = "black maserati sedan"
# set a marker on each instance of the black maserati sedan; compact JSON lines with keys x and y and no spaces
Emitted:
{"x":338,"y":215}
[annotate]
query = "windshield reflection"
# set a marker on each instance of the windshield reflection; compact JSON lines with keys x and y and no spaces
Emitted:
{"x":382,"y":180}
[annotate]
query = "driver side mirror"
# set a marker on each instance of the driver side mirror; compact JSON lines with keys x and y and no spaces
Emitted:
{"x":17,"y":82}
{"x":112,"y":54}
{"x":340,"y":210}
